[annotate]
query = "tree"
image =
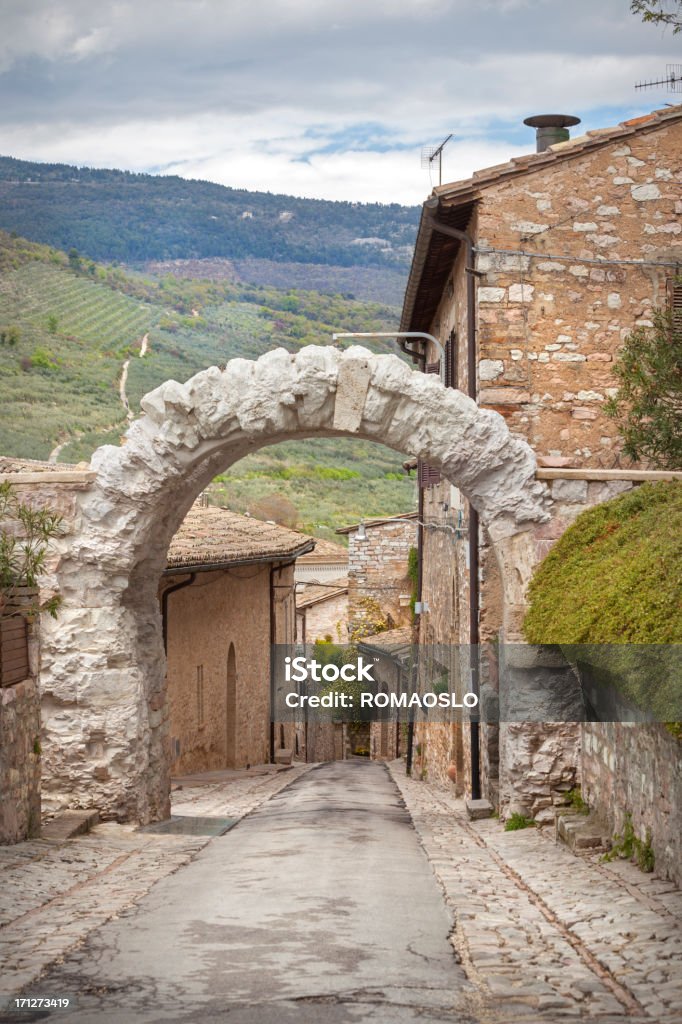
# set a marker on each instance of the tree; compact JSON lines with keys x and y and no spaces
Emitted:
{"x":660,"y":12}
{"x":648,"y":402}
{"x":25,"y":535}
{"x":275,"y":508}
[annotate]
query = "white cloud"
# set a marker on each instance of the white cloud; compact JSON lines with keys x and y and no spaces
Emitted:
{"x":251,"y":94}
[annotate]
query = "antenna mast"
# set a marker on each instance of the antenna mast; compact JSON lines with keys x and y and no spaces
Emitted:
{"x":431,"y":153}
{"x":673,"y":79}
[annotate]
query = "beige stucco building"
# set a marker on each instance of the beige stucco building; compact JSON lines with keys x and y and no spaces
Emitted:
{"x":226,"y":595}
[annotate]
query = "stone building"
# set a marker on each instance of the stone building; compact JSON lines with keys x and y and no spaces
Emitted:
{"x":393,"y":654}
{"x":379,"y":585}
{"x":530,"y":274}
{"x":226,"y":595}
{"x":322,"y":611}
{"x":326,"y":563}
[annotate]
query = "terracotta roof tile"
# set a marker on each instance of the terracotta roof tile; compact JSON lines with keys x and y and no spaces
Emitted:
{"x":314,"y":593}
{"x":216,"y":536}
{"x":325,"y":551}
{"x":407,"y":516}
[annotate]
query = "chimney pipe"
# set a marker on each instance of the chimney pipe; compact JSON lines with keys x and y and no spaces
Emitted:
{"x":551,"y":128}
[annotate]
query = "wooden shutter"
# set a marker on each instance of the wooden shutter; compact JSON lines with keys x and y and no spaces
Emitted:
{"x":13,"y":650}
{"x":451,"y":360}
{"x":675,"y":302}
{"x":428,"y":476}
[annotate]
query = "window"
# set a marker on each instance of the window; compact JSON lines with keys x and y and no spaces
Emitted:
{"x":200,"y":695}
{"x":675,"y":301}
{"x":451,"y":357}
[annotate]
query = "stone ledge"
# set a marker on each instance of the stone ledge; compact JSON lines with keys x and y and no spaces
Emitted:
{"x":580,"y":832}
{"x":76,"y":476}
{"x":607,"y":474}
{"x":69,"y":824}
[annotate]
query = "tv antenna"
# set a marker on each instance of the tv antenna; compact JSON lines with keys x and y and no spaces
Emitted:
{"x":673,"y":79}
{"x":432,"y":153}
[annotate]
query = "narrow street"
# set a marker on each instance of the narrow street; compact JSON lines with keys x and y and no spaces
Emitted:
{"x":319,"y":907}
{"x":344,"y":892}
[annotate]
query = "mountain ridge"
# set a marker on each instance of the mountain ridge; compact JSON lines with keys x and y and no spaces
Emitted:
{"x":115,"y":215}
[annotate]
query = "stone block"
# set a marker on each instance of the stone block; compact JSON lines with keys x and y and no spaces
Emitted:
{"x":69,"y":824}
{"x":478,"y":809}
{"x":574,"y":491}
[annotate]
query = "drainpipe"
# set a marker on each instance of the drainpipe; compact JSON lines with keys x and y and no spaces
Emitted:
{"x":164,"y":606}
{"x":431,"y":207}
{"x":273,"y":640}
{"x":402,"y":337}
{"x":275,"y":567}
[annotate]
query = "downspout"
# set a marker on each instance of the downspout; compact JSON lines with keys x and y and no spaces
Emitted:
{"x":420,"y":563}
{"x":273,"y":641}
{"x":275,"y":567}
{"x":164,"y":606}
{"x":431,"y":206}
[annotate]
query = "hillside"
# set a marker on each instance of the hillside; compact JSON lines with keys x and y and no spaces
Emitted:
{"x":609,"y":592}
{"x":114,"y":215}
{"x":78,"y":341}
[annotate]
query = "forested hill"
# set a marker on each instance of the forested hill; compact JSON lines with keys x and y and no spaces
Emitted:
{"x":111,"y":215}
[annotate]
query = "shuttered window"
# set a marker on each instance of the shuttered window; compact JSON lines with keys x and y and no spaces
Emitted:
{"x":450,"y":375}
{"x":675,"y":302}
{"x":13,"y":650}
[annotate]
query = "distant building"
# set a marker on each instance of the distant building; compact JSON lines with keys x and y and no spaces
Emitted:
{"x":322,"y":611}
{"x":328,"y":561}
{"x":379,"y":584}
{"x":226,"y":595}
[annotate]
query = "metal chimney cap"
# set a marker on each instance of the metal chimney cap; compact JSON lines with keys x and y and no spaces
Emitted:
{"x":551,"y":121}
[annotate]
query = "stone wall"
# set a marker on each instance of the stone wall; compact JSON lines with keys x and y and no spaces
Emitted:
{"x":20,"y":750}
{"x":549,"y":327}
{"x":377,"y":573}
{"x":636,"y":770}
{"x":525,"y":766}
{"x":324,"y":618}
{"x":19,"y":761}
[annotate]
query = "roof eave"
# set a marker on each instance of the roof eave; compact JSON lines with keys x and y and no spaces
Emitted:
{"x":280,"y":556}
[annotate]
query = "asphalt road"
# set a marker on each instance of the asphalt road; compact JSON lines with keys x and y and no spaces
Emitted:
{"x":319,"y":908}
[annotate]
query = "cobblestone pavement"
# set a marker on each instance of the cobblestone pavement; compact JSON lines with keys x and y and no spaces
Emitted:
{"x":55,"y":893}
{"x":546,"y":935}
{"x":542,"y":934}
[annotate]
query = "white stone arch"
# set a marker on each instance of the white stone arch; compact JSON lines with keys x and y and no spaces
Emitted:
{"x":103,"y":667}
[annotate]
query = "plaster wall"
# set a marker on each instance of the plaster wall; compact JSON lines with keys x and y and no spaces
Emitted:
{"x":219,"y":609}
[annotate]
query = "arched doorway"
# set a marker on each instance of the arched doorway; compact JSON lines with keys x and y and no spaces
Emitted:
{"x":103,"y":660}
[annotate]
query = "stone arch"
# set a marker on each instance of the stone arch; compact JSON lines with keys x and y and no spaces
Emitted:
{"x":103,"y":665}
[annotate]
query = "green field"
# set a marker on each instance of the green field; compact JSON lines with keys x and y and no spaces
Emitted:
{"x":68,"y":326}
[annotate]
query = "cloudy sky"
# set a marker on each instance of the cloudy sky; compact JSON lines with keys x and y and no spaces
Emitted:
{"x":324,"y":98}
